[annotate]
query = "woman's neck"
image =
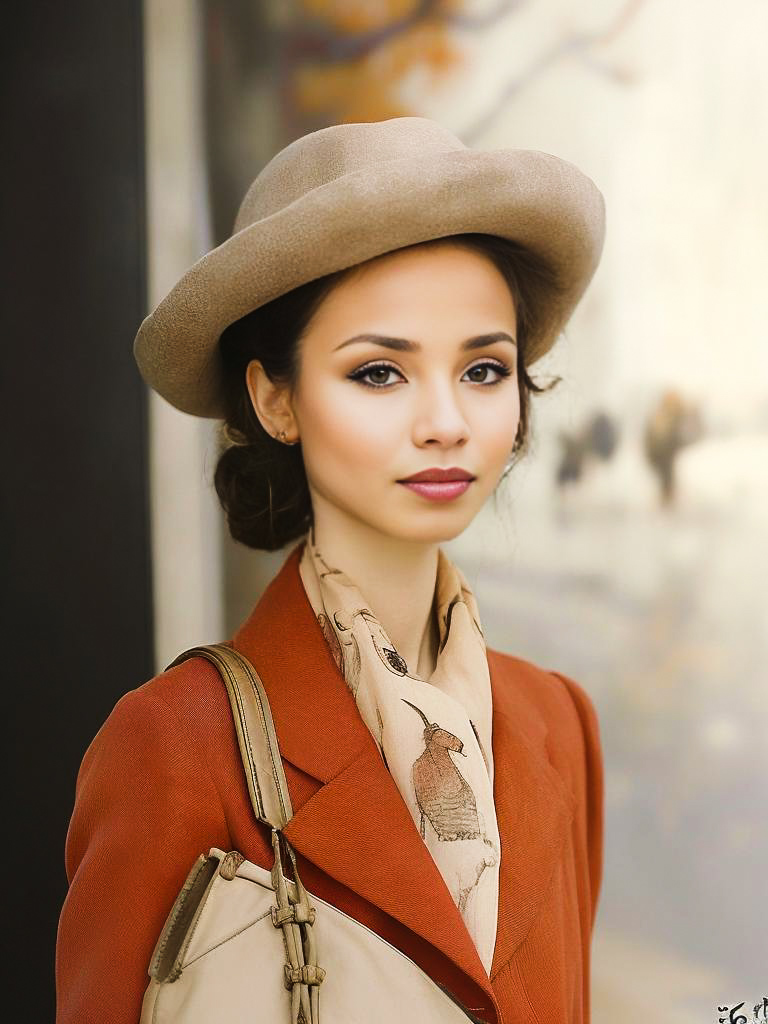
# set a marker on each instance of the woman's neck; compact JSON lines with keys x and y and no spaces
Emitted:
{"x":430,"y":642}
{"x":397,"y":579}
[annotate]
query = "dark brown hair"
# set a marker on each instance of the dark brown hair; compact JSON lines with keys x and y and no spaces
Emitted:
{"x":261,"y":481}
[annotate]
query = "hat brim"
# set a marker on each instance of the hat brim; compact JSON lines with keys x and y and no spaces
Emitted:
{"x":534,"y":198}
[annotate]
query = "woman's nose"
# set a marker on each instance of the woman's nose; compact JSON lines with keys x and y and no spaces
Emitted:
{"x":438,"y":417}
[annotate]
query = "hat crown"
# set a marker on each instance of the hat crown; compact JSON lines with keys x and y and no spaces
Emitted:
{"x":323,"y":156}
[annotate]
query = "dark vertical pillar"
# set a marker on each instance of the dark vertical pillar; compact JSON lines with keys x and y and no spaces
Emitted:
{"x":75,"y":529}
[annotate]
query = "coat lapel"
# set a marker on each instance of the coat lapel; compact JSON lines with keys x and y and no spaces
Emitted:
{"x":356,"y":826}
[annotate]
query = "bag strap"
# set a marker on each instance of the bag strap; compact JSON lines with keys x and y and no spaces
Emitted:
{"x":268,"y":790}
{"x":252,"y":715}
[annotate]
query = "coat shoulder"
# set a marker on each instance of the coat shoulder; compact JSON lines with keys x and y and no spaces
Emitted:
{"x":181,"y":716}
{"x":189,"y":698}
{"x":184,"y":685}
{"x":563,"y":704}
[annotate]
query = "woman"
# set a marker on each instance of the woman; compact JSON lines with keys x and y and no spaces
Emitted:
{"x":365,"y":337}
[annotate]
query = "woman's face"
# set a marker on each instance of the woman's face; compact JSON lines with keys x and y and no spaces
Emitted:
{"x":370,"y":414}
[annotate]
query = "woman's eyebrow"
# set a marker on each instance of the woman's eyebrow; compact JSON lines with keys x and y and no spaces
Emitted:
{"x":404,"y":345}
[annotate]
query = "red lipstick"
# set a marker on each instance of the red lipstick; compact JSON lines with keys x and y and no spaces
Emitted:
{"x":439,"y":484}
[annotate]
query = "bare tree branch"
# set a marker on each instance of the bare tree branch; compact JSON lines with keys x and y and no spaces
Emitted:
{"x":481,"y":21}
{"x":578,"y":44}
{"x":319,"y":45}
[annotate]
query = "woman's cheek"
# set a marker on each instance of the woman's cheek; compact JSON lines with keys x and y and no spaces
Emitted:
{"x":342,"y":452}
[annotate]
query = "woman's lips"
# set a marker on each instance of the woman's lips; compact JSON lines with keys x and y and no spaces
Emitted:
{"x":443,"y":491}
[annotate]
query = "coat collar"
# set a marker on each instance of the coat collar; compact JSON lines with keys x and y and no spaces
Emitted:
{"x":356,"y":826}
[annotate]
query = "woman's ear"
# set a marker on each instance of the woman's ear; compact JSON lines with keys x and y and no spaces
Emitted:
{"x":271,"y":402}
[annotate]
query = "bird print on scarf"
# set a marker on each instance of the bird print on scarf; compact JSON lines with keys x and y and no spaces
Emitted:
{"x":444,"y":796}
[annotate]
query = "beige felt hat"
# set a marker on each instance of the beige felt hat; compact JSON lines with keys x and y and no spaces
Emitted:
{"x":347,"y":193}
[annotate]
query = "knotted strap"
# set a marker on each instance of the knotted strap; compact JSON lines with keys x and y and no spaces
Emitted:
{"x":268,"y":791}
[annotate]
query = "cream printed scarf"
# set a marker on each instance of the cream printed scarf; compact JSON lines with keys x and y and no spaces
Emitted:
{"x":434,"y":734}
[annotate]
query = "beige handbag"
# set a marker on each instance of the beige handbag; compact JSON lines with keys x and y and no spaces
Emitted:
{"x":243,"y":944}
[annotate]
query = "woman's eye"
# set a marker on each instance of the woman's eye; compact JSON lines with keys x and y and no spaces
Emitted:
{"x":378,"y":373}
{"x":499,"y":368}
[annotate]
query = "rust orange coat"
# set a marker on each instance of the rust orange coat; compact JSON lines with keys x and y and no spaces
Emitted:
{"x":162,"y":782}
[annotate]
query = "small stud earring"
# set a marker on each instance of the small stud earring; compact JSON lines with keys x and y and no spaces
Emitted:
{"x":281,"y":435}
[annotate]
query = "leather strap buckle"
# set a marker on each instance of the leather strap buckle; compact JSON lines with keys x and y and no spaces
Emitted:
{"x":309,"y":974}
{"x":297,"y":913}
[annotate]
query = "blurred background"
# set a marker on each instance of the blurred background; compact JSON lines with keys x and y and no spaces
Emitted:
{"x":629,"y":550}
